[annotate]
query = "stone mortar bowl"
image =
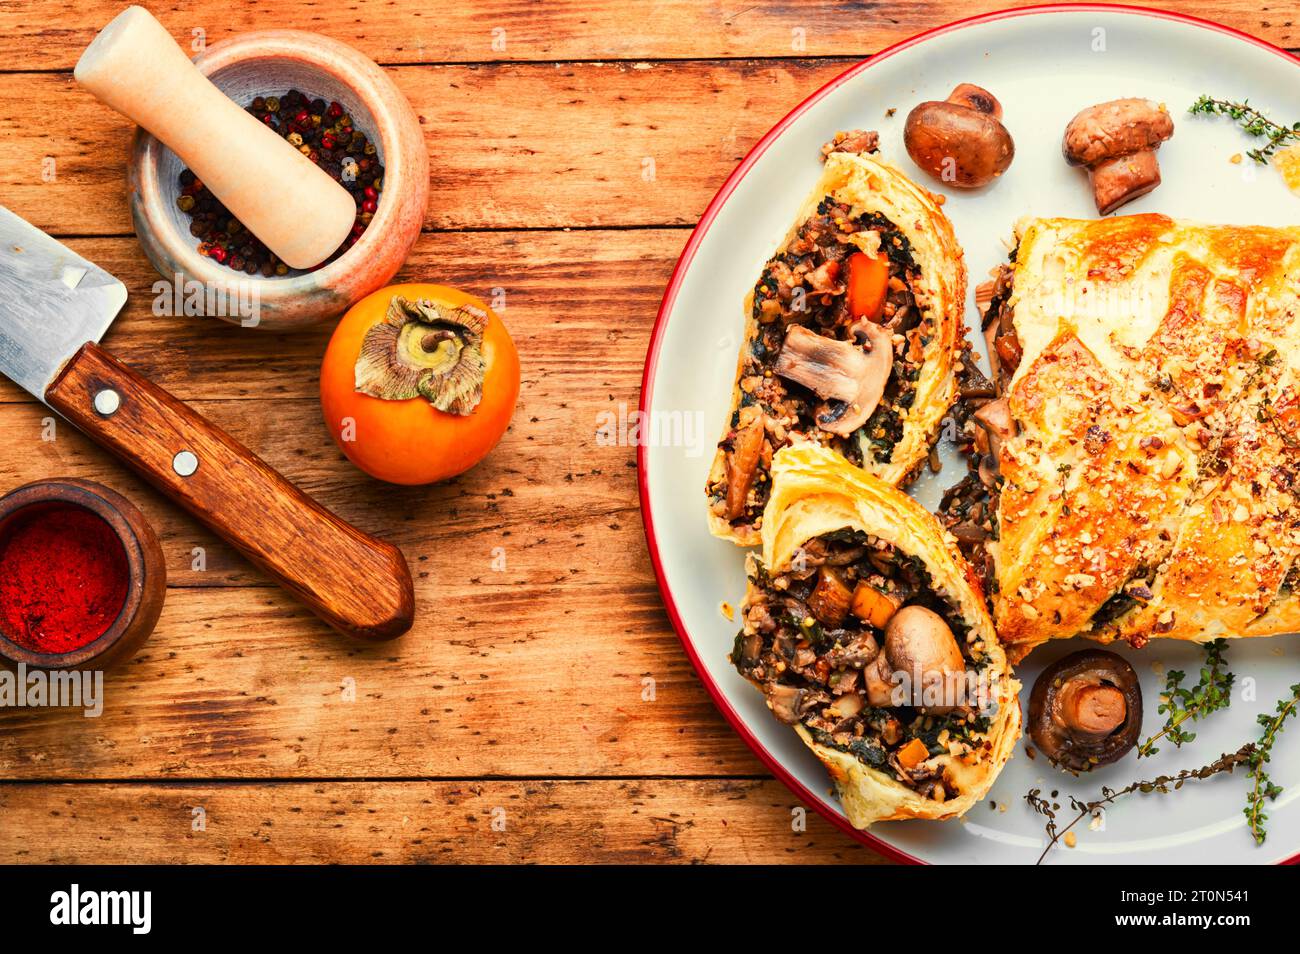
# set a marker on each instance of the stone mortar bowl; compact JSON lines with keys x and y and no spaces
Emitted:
{"x":269,"y":63}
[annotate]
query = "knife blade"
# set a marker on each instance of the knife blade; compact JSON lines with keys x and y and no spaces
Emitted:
{"x":54,"y":302}
{"x":55,"y":306}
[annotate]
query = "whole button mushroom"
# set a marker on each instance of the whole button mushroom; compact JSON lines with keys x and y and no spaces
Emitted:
{"x":960,"y":141}
{"x":919,"y":643}
{"x":1117,"y":142}
{"x":1086,"y":710}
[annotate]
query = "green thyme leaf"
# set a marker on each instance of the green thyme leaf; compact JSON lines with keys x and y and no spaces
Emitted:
{"x":1263,"y":788}
{"x":1253,"y":122}
{"x":1163,"y":784}
{"x":1179,"y":704}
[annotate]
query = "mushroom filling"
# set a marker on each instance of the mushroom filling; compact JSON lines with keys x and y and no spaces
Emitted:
{"x":854,"y":644}
{"x":969,"y":508}
{"x":840,"y":344}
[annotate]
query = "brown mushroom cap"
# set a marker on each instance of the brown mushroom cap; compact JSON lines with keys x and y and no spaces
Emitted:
{"x":1086,"y":710}
{"x":920,"y":644}
{"x":963,"y":147}
{"x":1120,"y":127}
{"x":960,"y":141}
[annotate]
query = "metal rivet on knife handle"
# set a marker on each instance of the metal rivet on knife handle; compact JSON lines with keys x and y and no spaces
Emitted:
{"x":107,"y":402}
{"x":359,"y":585}
{"x":185,"y":463}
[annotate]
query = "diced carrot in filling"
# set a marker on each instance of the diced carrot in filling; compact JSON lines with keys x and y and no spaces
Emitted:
{"x":912,"y":754}
{"x":872,"y":606}
{"x":836,"y":356}
{"x":868,"y":282}
{"x":835,"y":643}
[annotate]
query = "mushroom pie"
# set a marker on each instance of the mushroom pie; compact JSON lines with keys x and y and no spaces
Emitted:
{"x":852,"y":336}
{"x":1139,"y":461}
{"x":868,"y":635}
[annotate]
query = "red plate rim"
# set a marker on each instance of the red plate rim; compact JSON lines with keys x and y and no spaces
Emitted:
{"x":670,"y":296}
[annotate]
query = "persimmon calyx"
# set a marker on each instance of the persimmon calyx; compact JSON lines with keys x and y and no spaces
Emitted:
{"x":425,"y":349}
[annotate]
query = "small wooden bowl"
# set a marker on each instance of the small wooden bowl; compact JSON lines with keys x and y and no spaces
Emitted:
{"x":269,"y":63}
{"x":146,"y":568}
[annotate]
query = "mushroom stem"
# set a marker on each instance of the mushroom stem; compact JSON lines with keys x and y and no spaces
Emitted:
{"x":1090,"y":708}
{"x":976,"y":98}
{"x":1123,"y":179}
{"x":1117,"y":141}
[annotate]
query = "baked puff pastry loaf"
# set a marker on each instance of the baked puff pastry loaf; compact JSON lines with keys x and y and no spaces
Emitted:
{"x":1149,"y":443}
{"x":852,"y":333}
{"x":868,"y":634}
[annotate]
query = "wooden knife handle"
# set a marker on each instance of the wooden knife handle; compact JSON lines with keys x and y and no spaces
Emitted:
{"x":359,"y":585}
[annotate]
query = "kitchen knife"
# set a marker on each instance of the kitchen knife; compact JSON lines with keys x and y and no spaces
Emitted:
{"x":54,"y":308}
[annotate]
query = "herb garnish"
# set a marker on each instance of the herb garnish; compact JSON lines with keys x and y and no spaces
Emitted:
{"x":1212,"y":693}
{"x":1262,"y":786}
{"x":1253,"y":122}
{"x":1162,"y":784}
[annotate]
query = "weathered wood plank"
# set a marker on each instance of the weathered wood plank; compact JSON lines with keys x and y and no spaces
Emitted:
{"x":534,"y":630}
{"x":496,"y":822}
{"x":578,"y":304}
{"x":547,"y":495}
{"x":510,"y":146}
{"x":524,"y":680}
{"x":50,"y":34}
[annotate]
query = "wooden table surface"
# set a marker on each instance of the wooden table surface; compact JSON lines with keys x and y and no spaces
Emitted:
{"x":512,"y":724}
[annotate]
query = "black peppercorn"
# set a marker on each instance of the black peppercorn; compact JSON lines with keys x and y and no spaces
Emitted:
{"x":321,"y":131}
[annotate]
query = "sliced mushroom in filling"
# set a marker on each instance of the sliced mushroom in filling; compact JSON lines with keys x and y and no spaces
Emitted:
{"x":837,"y":355}
{"x":855,"y":645}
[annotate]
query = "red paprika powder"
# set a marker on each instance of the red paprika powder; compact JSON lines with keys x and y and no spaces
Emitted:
{"x":63,"y":577}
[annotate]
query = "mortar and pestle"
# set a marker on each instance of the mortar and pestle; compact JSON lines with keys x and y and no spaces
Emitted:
{"x":191,"y":115}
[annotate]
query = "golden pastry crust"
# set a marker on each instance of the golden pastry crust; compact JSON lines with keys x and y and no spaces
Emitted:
{"x":873,"y":186}
{"x":816,"y":492}
{"x":1150,"y":490}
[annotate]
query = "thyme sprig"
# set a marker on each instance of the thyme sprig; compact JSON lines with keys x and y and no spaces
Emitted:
{"x":1178,"y":705}
{"x":1253,"y":122}
{"x":1163,"y":784}
{"x":1262,"y":787}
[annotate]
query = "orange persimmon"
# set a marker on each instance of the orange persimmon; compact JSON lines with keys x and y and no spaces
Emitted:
{"x":419,"y":383}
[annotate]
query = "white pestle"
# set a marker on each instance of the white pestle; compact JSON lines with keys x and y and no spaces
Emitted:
{"x":286,"y":200}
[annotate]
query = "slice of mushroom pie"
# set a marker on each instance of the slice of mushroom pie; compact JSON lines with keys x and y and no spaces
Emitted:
{"x":852,"y":336}
{"x":867,"y":633}
{"x":1142,"y":459}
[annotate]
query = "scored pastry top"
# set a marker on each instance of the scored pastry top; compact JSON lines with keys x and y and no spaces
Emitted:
{"x":1149,"y":486}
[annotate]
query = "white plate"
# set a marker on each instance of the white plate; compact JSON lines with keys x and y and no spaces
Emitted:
{"x":1044,"y":65}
